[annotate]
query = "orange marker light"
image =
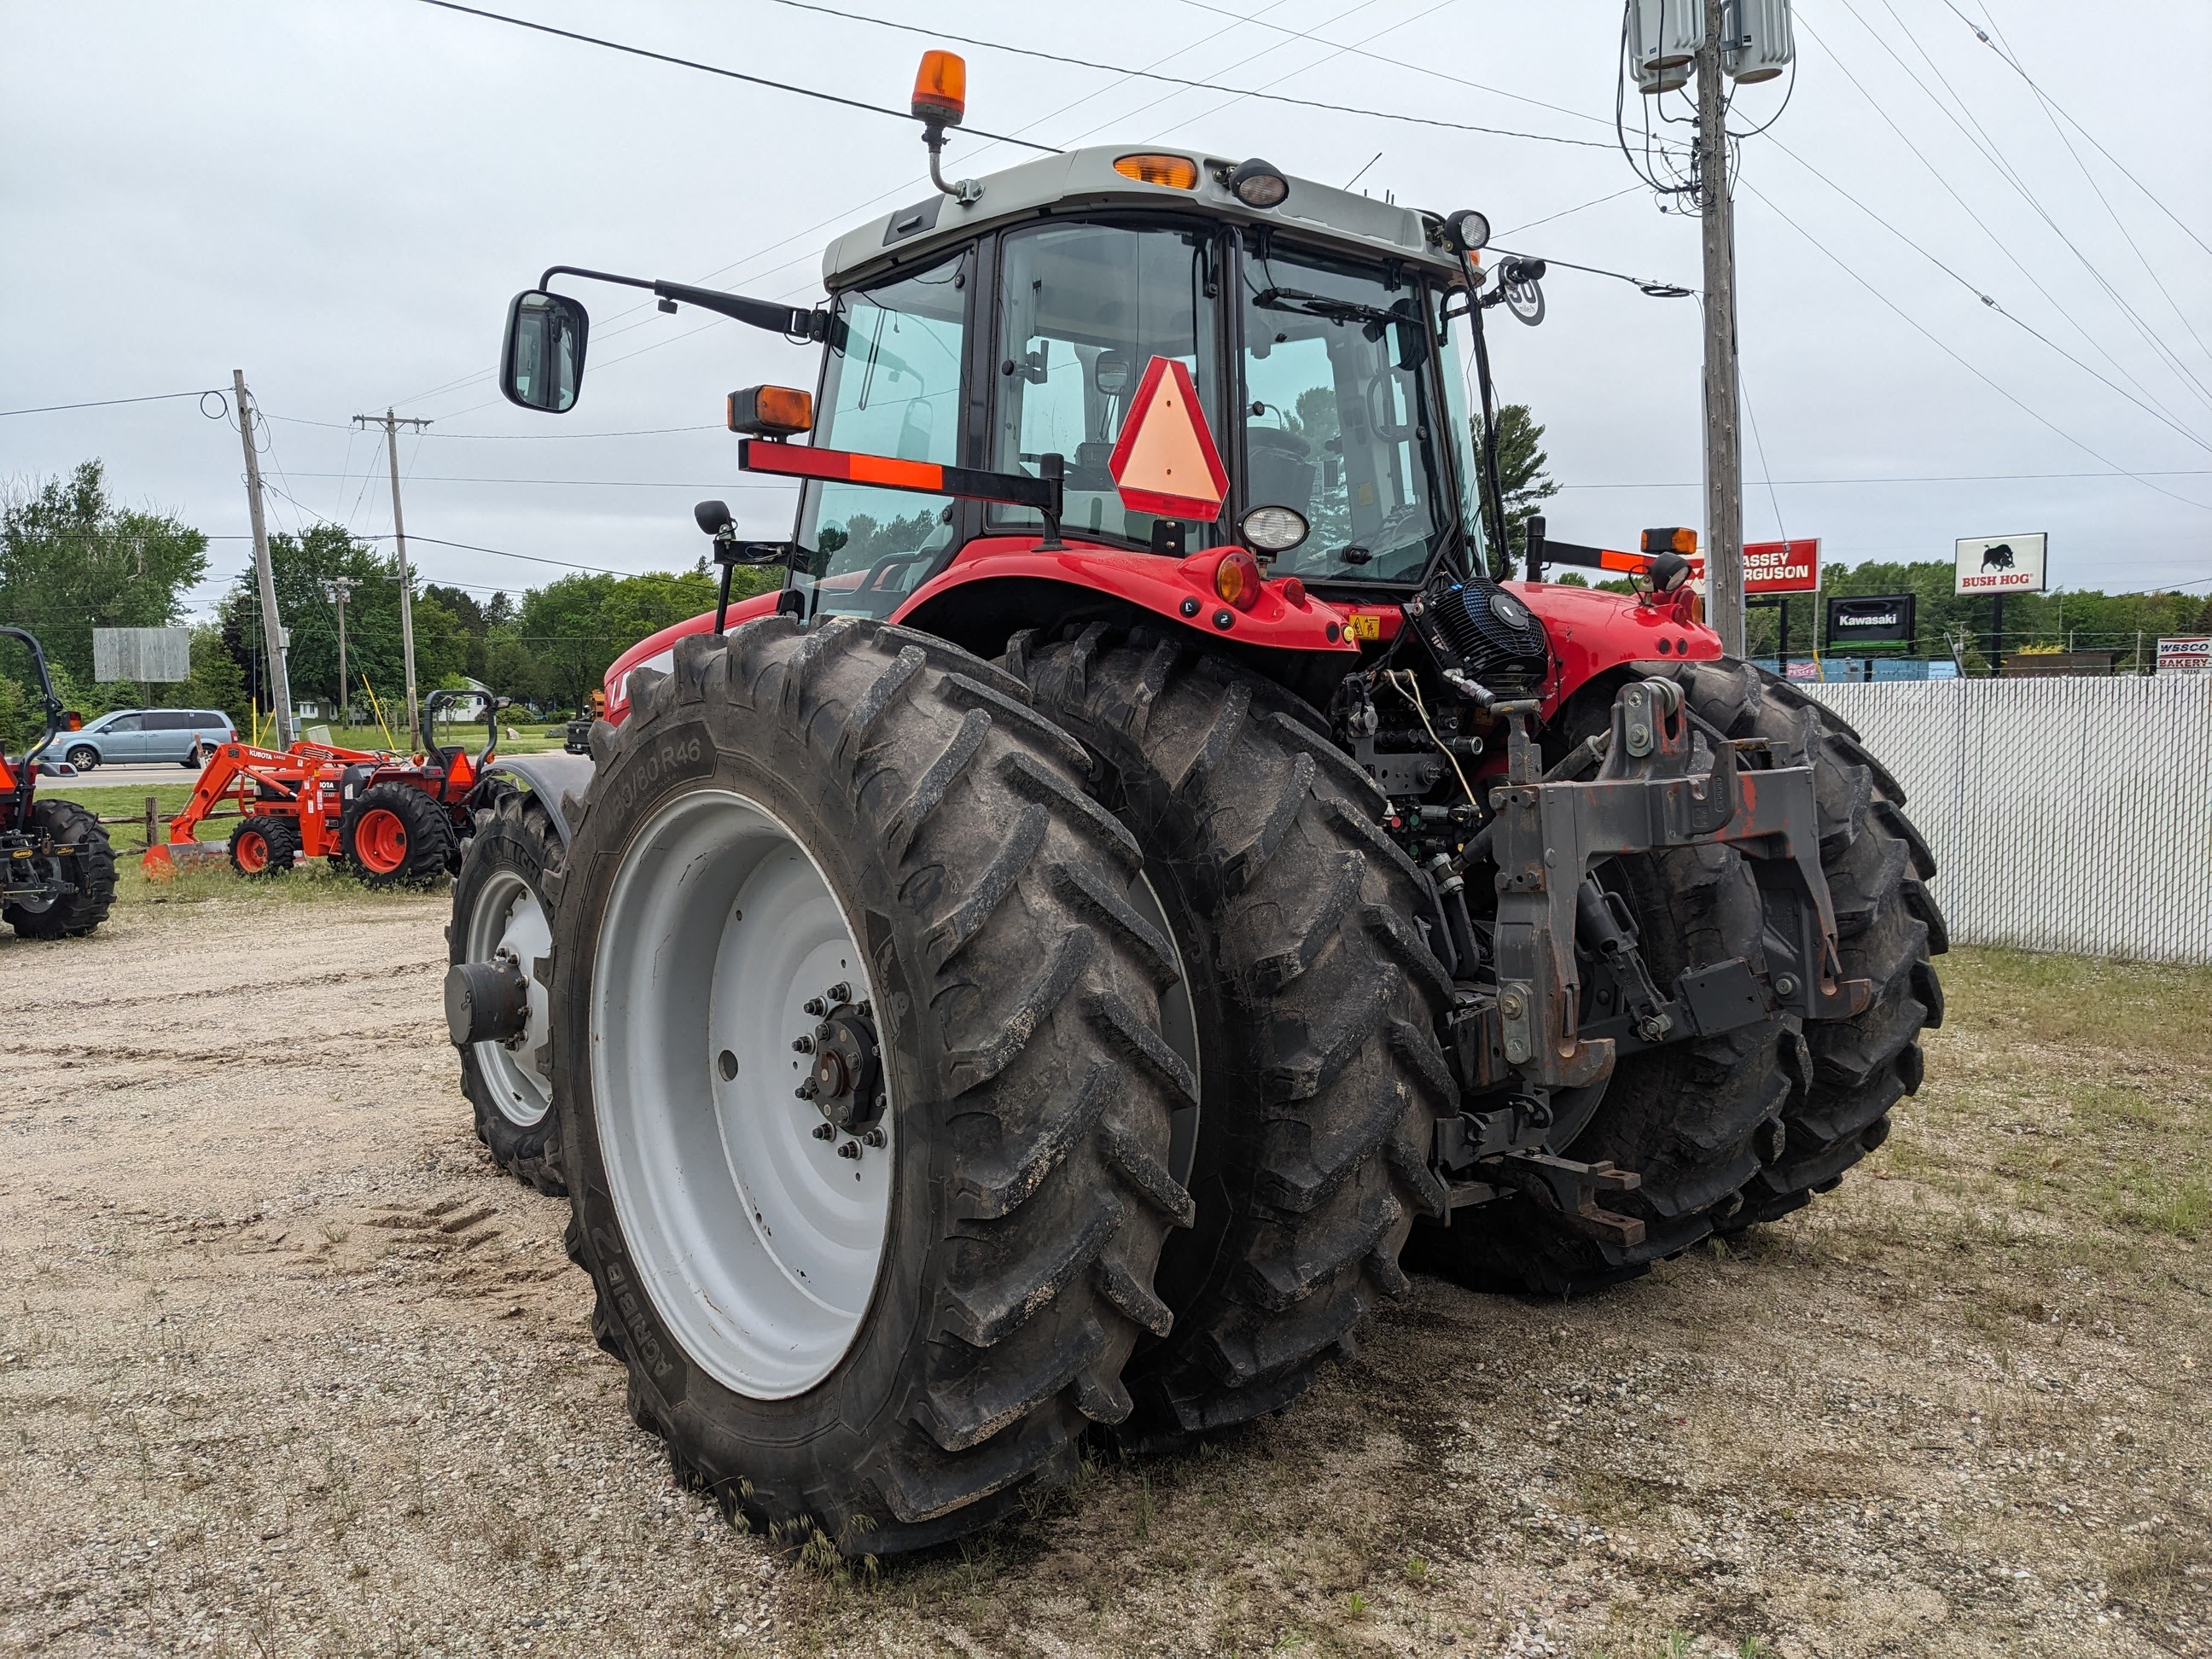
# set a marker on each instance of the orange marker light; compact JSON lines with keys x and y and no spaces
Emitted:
{"x":1682,"y":540}
{"x":1176,"y":171}
{"x":771,"y":412}
{"x":940,"y":88}
{"x":1237,"y":579}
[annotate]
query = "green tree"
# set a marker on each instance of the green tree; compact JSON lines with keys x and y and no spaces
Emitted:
{"x":575,"y":627}
{"x":1523,"y":481}
{"x":71,"y":560}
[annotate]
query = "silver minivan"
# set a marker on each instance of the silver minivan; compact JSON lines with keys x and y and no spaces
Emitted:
{"x":186,"y":736}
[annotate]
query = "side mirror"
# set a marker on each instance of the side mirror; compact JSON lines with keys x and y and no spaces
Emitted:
{"x":541,"y":366}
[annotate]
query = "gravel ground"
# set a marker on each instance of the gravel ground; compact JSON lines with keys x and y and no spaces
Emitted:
{"x":286,"y":1367}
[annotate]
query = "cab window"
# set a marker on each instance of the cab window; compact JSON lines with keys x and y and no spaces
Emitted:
{"x":1341,"y":421}
{"x":1082,"y":310}
{"x":891,"y":386}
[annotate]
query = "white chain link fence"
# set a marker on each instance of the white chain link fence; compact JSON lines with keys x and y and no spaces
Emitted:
{"x":2070,"y":815}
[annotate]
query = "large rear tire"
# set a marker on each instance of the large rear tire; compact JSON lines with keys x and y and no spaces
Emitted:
{"x":81,"y":854}
{"x":499,"y":908}
{"x":1731,"y":1130}
{"x":1314,"y":1000}
{"x":395,"y":835}
{"x":860,"y":804}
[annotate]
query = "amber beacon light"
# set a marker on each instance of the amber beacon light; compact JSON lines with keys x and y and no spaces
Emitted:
{"x":941,"y":90}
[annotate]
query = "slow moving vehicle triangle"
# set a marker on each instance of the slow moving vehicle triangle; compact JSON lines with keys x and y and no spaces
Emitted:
{"x":1165,"y":461}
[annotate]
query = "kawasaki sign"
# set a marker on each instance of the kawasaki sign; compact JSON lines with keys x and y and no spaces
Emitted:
{"x":1876,"y":619}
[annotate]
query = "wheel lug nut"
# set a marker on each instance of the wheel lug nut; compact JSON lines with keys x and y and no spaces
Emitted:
{"x":823,"y":1032}
{"x":824,"y":1131}
{"x":802,"y":1044}
{"x":874,"y":1137}
{"x":850,"y":1149}
{"x":806,"y":1091}
{"x":815,"y":1006}
{"x":840,"y":992}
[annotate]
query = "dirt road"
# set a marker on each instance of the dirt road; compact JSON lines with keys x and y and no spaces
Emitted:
{"x":285,"y":1367}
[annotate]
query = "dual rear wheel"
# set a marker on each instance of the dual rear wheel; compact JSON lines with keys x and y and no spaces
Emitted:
{"x":946,"y":1060}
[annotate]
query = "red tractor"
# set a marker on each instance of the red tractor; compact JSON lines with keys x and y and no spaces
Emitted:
{"x":1146,"y":876}
{"x":57,"y":869}
{"x":392,"y":821}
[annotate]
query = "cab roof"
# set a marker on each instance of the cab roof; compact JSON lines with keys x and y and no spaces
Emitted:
{"x":1081,"y":180}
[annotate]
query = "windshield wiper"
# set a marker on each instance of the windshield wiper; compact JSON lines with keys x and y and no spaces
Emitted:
{"x":1300,"y":303}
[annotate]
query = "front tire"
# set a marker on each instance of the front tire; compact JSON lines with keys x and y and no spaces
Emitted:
{"x":84,"y":757}
{"x":499,"y":908}
{"x":262,"y":846}
{"x":861,"y":801}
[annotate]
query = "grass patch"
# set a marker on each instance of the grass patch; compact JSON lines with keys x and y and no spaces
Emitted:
{"x":2078,"y":1001}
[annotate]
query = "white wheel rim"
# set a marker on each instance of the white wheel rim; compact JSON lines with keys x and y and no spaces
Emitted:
{"x":509,"y":920}
{"x":758,"y":1243}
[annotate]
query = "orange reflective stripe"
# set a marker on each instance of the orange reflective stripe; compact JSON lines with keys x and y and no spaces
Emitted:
{"x":901,"y":475}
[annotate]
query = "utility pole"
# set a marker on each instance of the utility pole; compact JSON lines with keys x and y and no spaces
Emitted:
{"x":340,"y":588}
{"x":272,"y":630}
{"x":391,"y":423}
{"x":1723,"y":441}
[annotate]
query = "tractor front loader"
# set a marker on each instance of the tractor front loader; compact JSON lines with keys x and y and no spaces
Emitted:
{"x":391,"y":820}
{"x":1146,"y":876}
{"x":57,"y":869}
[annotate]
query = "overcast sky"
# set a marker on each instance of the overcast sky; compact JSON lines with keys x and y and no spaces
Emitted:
{"x":340,"y":198}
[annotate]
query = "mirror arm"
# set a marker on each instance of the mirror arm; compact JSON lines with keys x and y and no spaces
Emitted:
{"x":790,"y":321}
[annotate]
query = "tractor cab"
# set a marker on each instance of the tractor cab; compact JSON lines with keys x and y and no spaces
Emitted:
{"x":1145,"y":380}
{"x":1286,"y":378}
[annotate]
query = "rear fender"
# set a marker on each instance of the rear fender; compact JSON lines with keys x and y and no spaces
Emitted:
{"x":552,"y":777}
{"x":657,"y":651}
{"x":1593,"y":632}
{"x":1035,"y":585}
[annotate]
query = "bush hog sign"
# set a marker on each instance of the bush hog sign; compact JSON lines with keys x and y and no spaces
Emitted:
{"x":1782,"y":567}
{"x":2001,"y":564}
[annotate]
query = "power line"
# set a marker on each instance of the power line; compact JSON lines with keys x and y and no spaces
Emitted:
{"x":1184,"y":81}
{"x":712,"y":69}
{"x":1988,"y":149}
{"x":1996,"y":242}
{"x":2156,"y":412}
{"x":1396,"y":62}
{"x":1850,"y":270}
{"x":2012,"y":63}
{"x":110,"y":403}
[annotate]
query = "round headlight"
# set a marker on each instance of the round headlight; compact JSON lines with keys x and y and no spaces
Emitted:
{"x":1275,"y":529}
{"x":1257,"y":184}
{"x":1469,"y":229}
{"x":1507,"y":610}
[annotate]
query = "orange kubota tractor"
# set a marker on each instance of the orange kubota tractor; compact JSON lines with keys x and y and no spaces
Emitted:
{"x":393,"y":821}
{"x":57,"y":871}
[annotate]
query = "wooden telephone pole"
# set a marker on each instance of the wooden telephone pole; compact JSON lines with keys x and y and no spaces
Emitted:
{"x":272,"y":631}
{"x":391,"y":423}
{"x":1724,"y":439}
{"x":339,"y":589}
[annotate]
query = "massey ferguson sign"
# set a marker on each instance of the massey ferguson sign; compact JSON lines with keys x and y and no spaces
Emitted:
{"x":1782,"y":567}
{"x":2001,"y":564}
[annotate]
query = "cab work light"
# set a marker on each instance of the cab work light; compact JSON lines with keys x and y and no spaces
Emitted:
{"x":771,"y":412}
{"x":1176,"y":171}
